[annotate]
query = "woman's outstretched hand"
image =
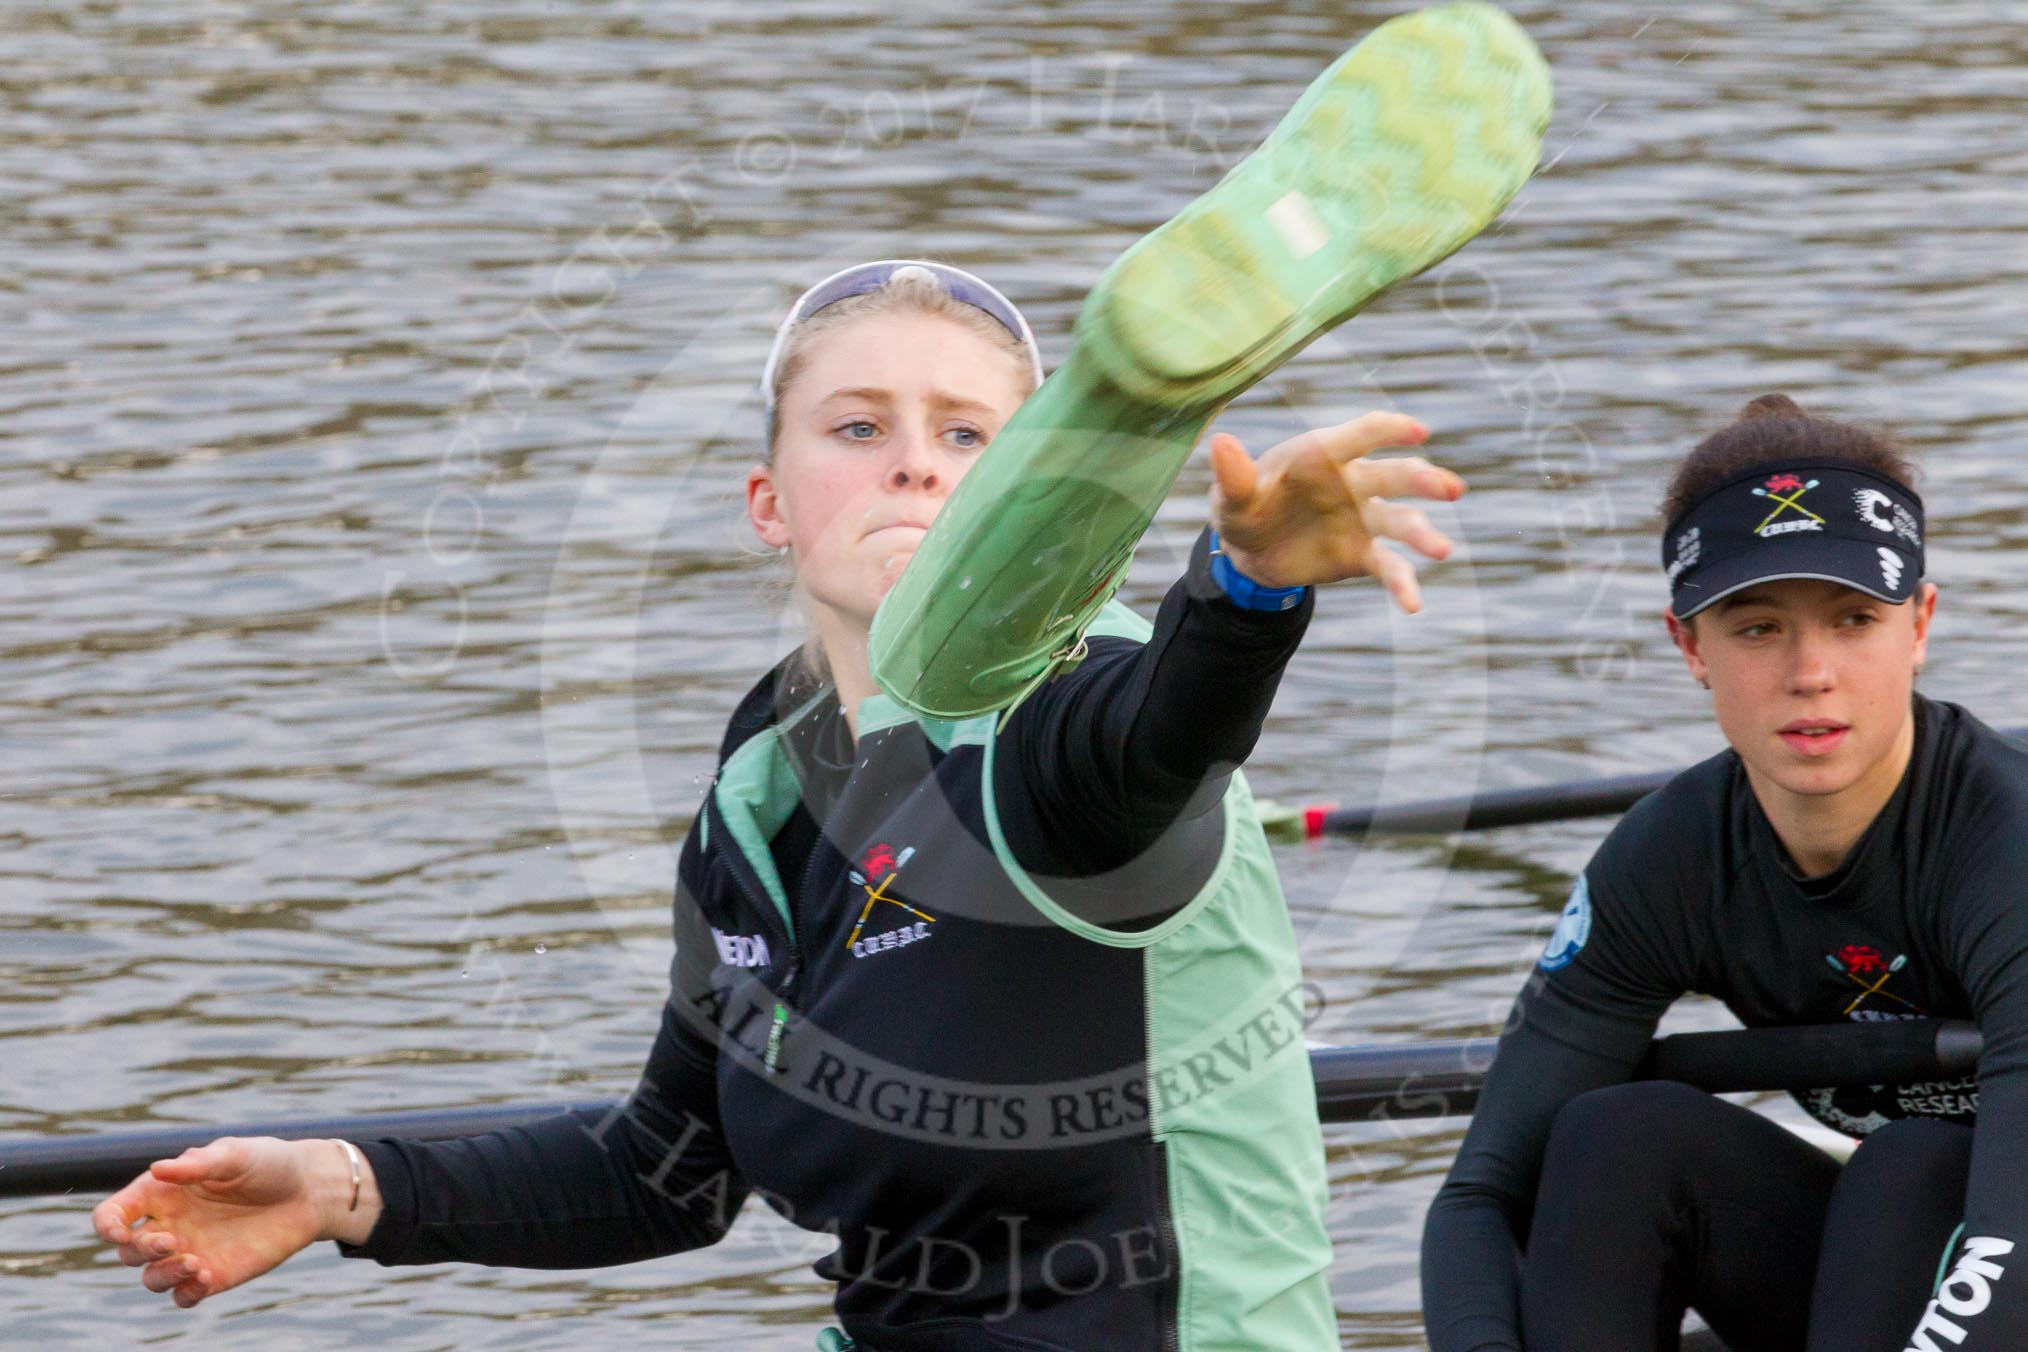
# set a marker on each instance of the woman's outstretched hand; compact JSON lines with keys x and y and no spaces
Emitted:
{"x":1314,"y":510}
{"x":222,"y":1214}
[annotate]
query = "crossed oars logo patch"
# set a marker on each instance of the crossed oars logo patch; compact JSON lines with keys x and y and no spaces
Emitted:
{"x":880,"y":861}
{"x":1786,"y":491}
{"x":1864,"y":966}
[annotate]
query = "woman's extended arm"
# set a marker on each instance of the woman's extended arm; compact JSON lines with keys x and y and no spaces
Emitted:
{"x":652,"y":1176}
{"x":1099,"y":763}
{"x":224,"y":1213}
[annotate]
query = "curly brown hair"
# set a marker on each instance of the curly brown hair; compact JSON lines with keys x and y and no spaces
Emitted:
{"x":1774,"y":427}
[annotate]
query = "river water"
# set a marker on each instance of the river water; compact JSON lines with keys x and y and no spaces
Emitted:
{"x":376,"y":397}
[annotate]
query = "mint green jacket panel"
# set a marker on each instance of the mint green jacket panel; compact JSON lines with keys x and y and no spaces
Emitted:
{"x":1228,"y":1076}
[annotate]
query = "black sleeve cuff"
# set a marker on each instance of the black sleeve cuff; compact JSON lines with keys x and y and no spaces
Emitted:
{"x":396,"y":1181}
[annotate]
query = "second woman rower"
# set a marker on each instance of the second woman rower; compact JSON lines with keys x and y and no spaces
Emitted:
{"x":1858,"y":853}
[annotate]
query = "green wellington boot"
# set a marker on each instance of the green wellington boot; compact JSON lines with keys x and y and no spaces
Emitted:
{"x":1407,"y":147}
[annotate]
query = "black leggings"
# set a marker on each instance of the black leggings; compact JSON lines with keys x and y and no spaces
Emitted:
{"x":1656,"y":1198}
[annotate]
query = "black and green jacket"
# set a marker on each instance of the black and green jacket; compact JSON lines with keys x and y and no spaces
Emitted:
{"x":1016,"y":1017}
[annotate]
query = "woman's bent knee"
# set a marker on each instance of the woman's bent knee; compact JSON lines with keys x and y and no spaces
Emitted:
{"x":1627,"y":1134}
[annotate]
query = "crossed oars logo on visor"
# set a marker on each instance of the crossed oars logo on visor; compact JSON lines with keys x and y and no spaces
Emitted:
{"x":1785,"y":492}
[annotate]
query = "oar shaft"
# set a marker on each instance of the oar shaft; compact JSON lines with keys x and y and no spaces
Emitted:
{"x":1504,"y":807}
{"x":108,"y":1160}
{"x":1354,"y":1084}
{"x":1443,"y":1079}
{"x":1813,"y":1055}
{"x":1428,"y":1079}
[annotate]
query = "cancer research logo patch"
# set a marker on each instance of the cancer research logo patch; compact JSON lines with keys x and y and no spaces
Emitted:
{"x":1573,"y":927}
{"x":1890,"y":568}
{"x":1884,"y":514}
{"x":1689,"y":545}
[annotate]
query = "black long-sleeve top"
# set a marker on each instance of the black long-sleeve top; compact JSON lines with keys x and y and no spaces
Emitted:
{"x":1105,"y":782}
{"x":1692,"y":891}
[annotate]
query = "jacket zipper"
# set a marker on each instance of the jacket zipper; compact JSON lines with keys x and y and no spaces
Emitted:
{"x":756,"y":897}
{"x":1165,"y":1232}
{"x":779,"y":1028}
{"x":1165,"y":1224}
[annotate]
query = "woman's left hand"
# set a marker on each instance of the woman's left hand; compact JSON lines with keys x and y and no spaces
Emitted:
{"x":1314,"y":510}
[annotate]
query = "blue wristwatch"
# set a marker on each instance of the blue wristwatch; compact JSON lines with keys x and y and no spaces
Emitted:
{"x":1243,"y":591}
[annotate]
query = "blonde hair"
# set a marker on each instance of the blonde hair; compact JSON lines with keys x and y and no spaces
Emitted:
{"x":909,"y":291}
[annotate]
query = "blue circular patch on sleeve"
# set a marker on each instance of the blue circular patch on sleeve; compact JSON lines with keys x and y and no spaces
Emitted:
{"x":1573,"y":927}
